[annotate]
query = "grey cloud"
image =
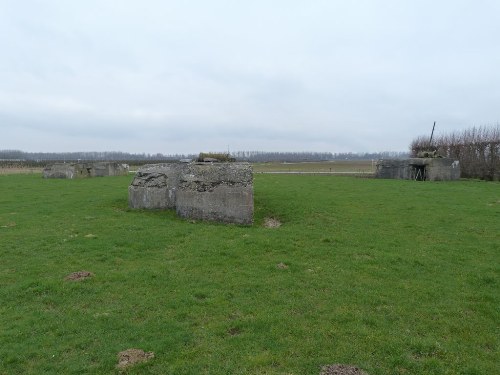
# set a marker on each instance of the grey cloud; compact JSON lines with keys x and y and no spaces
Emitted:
{"x":350,"y":76}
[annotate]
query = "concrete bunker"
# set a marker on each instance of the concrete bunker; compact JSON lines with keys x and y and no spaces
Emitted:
{"x":221,"y":192}
{"x":419,"y":169}
{"x":85,"y":170}
{"x":154,"y":186}
{"x":59,"y":170}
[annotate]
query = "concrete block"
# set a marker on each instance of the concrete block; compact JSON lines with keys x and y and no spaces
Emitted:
{"x":430,"y":169}
{"x":84,"y":170}
{"x":220,"y":192}
{"x":154,"y":186}
{"x":59,"y":170}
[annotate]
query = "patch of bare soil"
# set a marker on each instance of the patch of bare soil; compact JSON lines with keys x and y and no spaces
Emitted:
{"x":234,"y":331}
{"x":79,"y":276}
{"x":131,"y":357}
{"x":282,"y":266}
{"x":341,"y":370}
{"x":270,"y":222}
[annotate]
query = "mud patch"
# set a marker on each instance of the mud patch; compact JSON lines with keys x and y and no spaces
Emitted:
{"x":270,"y":222}
{"x":131,"y":357}
{"x":234,"y":331}
{"x":341,"y":370}
{"x":78,"y":276}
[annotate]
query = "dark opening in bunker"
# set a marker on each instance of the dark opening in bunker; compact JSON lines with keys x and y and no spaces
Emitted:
{"x":419,"y":172}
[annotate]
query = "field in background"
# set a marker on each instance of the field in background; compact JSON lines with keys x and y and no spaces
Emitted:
{"x":333,"y":167}
{"x":396,"y":277}
{"x":18,"y":170}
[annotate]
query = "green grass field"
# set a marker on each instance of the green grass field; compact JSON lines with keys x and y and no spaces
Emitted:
{"x":396,"y":277}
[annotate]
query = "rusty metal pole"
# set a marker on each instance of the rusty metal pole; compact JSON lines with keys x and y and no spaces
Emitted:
{"x":430,"y":140}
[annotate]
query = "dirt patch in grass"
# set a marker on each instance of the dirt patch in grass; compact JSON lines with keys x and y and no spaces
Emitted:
{"x":131,"y":357}
{"x":270,"y":222}
{"x":234,"y":331}
{"x":282,"y":266}
{"x":78,"y":276}
{"x":341,"y":370}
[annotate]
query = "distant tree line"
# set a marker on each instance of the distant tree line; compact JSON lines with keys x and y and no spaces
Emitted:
{"x":87,"y":156}
{"x":477,"y":149}
{"x":43,"y":158}
{"x":264,"y":156}
{"x":370,"y":155}
{"x":290,"y":157}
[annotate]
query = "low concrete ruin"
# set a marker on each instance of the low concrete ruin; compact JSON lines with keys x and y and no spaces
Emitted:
{"x":420,"y":169}
{"x":220,"y":192}
{"x":84,"y":170}
{"x":154,"y":186}
{"x":59,"y":170}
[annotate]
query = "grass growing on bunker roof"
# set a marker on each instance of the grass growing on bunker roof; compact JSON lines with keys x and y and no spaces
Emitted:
{"x":392,"y":276}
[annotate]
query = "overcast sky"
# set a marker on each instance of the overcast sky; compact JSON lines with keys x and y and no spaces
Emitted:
{"x":186,"y":76}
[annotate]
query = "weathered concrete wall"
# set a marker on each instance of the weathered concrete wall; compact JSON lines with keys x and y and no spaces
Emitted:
{"x":443,"y":169}
{"x":59,"y":170}
{"x":220,"y":192}
{"x":154,"y":186}
{"x":393,"y":168}
{"x":83,"y":170}
{"x":100,"y":169}
{"x":432,"y":169}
